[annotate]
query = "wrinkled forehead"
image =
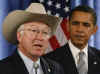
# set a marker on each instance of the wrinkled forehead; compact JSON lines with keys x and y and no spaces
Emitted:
{"x":36,"y":25}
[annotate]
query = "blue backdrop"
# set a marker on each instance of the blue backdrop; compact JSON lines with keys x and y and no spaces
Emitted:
{"x":7,"y":6}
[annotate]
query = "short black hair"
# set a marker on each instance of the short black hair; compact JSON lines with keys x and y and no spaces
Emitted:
{"x":84,"y":8}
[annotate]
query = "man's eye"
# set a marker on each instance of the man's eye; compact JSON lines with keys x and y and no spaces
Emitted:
{"x":46,"y":33}
{"x":34,"y":30}
{"x":75,"y":23}
{"x":86,"y":24}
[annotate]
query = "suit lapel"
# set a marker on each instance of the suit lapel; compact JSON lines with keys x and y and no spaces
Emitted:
{"x":93,"y":62}
{"x":71,"y":63}
{"x":92,"y":58}
{"x":64,"y":56}
{"x":19,"y":65}
{"x":66,"y":59}
{"x":45,"y":66}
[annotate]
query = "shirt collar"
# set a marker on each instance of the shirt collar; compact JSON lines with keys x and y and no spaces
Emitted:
{"x":76,"y":50}
{"x":27,"y":61}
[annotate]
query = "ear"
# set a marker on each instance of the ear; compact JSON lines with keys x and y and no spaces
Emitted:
{"x":95,"y":29}
{"x":68,"y":29}
{"x":67,"y":25}
{"x":19,"y":36}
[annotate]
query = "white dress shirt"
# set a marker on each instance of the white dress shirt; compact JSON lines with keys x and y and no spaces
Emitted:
{"x":75,"y":51}
{"x":29,"y":64}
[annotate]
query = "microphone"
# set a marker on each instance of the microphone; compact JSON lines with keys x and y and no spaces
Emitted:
{"x":35,"y":66}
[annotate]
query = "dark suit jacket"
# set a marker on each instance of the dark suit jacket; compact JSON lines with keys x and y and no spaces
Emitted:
{"x":14,"y":65}
{"x":64,"y":56}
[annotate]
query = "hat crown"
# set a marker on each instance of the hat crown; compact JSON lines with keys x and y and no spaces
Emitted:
{"x":35,"y":12}
{"x":36,"y":8}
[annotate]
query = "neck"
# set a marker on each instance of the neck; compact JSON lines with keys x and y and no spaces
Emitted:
{"x":32,"y":57}
{"x":79,"y":45}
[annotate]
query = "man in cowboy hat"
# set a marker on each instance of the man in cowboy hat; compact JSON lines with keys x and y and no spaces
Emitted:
{"x":30,"y":30}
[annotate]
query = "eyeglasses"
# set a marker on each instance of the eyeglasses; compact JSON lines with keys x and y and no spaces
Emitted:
{"x":45,"y":34}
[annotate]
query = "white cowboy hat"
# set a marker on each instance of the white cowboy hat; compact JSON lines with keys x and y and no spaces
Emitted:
{"x":35,"y":12}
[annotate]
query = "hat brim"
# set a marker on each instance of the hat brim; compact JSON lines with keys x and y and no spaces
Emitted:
{"x":19,"y":17}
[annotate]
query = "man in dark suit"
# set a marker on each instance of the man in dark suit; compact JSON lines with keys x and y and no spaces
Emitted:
{"x":81,"y":25}
{"x":32,"y":29}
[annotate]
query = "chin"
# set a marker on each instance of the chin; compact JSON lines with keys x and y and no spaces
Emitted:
{"x":40,"y":53}
{"x":79,"y":41}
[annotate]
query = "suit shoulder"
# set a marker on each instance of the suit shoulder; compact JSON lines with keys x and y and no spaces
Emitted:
{"x":48,"y":60}
{"x":53,"y":64}
{"x":95,"y":52}
{"x":6,"y":62}
{"x":57,"y":54}
{"x":6,"y":66}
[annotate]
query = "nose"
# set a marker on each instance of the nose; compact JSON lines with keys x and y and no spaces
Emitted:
{"x":39,"y":36}
{"x":80,"y":28}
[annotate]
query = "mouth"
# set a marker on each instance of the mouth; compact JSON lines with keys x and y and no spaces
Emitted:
{"x":38,"y":45}
{"x":79,"y":37}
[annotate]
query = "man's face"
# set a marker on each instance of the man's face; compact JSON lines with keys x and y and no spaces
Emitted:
{"x":33,"y":40}
{"x":81,"y":28}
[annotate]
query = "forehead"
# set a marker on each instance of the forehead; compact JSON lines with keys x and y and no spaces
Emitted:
{"x":82,"y":16}
{"x":35,"y":24}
